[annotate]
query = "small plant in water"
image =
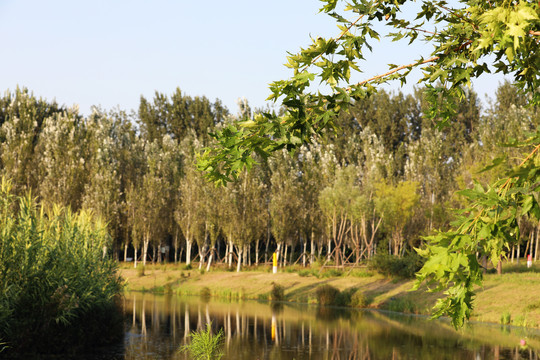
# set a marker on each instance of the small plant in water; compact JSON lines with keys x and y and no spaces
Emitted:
{"x":204,"y":345}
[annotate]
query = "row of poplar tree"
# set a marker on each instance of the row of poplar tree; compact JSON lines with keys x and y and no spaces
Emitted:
{"x":377,"y":185}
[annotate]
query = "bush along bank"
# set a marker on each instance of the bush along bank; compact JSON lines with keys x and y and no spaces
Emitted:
{"x":59,"y":292}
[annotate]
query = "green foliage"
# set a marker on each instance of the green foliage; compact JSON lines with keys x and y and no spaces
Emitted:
{"x":391,"y":265}
{"x":330,"y":273}
{"x":361,"y":273}
{"x":359,"y":300}
{"x":205,"y":292}
{"x":204,"y":345}
{"x":277,"y":293}
{"x":488,"y":226}
{"x":403,"y":305}
{"x":466,"y":40}
{"x":506,"y":318}
{"x":58,"y":287}
{"x":327,"y":295}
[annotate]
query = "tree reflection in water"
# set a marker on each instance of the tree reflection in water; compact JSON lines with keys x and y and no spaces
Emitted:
{"x":262,"y":331}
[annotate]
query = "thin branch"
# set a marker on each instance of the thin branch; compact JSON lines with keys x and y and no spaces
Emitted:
{"x":432,"y":59}
{"x":422,"y":30}
{"x":451,"y":11}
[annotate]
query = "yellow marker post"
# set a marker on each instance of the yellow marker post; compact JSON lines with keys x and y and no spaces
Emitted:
{"x":275,"y":263}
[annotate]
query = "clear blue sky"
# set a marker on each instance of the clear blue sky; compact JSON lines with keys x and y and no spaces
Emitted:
{"x":109,"y":53}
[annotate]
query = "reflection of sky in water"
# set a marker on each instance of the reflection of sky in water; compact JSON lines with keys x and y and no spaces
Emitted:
{"x":158,"y":326}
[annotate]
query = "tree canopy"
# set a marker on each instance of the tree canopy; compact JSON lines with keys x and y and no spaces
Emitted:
{"x":468,"y":39}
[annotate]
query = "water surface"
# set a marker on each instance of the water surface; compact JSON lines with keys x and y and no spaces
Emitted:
{"x":157,"y":326}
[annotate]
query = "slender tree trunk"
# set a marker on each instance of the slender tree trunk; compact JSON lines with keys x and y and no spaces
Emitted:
{"x":230,"y":253}
{"x":304,"y":254}
{"x":518,"y":254}
{"x":210,"y":259}
{"x":146,"y":240}
{"x":125,"y":251}
{"x":291,"y":258}
{"x":202,"y":256}
{"x":312,"y":250}
{"x":267,"y":243}
{"x":257,"y":253}
{"x":285,"y":255}
{"x":240,"y":253}
{"x":499,"y":267}
{"x":135,"y":258}
{"x":176,"y":247}
{"x":329,"y":249}
{"x":512,"y":251}
{"x":536,"y":247}
{"x":188,"y":251}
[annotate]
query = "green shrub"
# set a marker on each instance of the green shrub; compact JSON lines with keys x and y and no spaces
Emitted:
{"x":520,"y":320}
{"x":359,"y":300}
{"x":326,"y":295}
{"x":277,"y":293}
{"x":361,"y":273}
{"x":304,"y":273}
{"x":402,"y":305}
{"x":58,"y":290}
{"x":263,"y":297}
{"x":205,"y":293}
{"x":332,"y":273}
{"x":506,"y":318}
{"x":390,"y":265}
{"x":187,"y":267}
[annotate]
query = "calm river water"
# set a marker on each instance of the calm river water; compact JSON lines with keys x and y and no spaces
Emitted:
{"x":157,"y":326}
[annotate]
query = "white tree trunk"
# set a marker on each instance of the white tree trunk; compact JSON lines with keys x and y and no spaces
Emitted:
{"x":125,"y":251}
{"x":202,"y":256}
{"x":188,"y":251}
{"x":304,"y":254}
{"x":240,"y":253}
{"x":210,"y":260}
{"x":257,"y":253}
{"x":312,"y":259}
{"x":135,"y":259}
{"x":230,"y":253}
{"x":145,"y":249}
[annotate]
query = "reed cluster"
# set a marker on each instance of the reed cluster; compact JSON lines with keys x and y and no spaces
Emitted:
{"x":59,"y":289}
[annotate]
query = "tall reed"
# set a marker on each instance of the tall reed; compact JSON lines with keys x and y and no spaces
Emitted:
{"x":56,"y":285}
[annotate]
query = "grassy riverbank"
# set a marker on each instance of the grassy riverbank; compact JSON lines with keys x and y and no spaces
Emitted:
{"x":513,"y":297}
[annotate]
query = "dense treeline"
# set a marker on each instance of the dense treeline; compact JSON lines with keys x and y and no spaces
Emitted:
{"x":377,"y":186}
